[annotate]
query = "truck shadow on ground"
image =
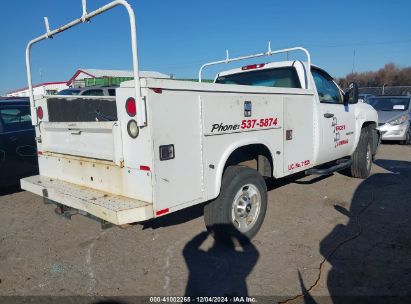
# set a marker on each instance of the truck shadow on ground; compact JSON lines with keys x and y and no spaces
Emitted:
{"x":176,"y":218}
{"x":222,"y":269}
{"x":370,"y":256}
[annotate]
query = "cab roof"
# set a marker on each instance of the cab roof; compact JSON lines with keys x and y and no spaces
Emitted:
{"x":10,"y":101}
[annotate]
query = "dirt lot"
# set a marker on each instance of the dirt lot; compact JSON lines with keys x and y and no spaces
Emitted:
{"x":44,"y":254}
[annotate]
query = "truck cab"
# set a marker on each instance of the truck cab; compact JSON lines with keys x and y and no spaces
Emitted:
{"x":337,"y":118}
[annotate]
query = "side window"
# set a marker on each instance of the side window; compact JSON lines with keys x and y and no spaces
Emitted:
{"x":15,"y":118}
{"x":327,"y":90}
{"x":93,"y":93}
{"x":112,"y":92}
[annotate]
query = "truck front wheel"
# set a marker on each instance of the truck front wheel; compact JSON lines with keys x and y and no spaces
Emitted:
{"x":241,"y":205}
{"x":407,"y":140}
{"x":362,"y":156}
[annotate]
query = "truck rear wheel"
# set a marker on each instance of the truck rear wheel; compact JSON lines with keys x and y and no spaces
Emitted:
{"x":241,"y":205}
{"x":362,"y":156}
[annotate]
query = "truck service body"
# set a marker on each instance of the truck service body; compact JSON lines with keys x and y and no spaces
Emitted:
{"x":163,"y":145}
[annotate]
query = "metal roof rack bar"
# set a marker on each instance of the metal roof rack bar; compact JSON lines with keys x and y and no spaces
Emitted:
{"x":85,"y":17}
{"x":268,"y":53}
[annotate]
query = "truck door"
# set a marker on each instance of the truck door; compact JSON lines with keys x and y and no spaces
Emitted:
{"x":337,"y":121}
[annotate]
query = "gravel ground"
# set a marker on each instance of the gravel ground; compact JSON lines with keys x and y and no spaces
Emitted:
{"x":307,"y":218}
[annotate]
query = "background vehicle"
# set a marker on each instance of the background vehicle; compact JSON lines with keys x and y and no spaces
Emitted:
{"x":169,"y":144}
{"x":18,"y":152}
{"x":394,"y":118}
{"x":364,"y":97}
{"x":90,"y":91}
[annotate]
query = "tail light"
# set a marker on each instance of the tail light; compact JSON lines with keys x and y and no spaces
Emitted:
{"x":40,"y":113}
{"x":131,"y":107}
{"x":253,"y":66}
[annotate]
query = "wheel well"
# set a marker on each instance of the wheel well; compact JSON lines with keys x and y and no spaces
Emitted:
{"x":255,"y":156}
{"x":369,"y":123}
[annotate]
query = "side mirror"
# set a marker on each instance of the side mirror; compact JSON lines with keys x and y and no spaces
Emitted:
{"x":351,"y":95}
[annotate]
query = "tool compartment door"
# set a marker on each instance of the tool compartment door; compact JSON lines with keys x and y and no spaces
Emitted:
{"x":298,"y":133}
{"x":176,"y":120}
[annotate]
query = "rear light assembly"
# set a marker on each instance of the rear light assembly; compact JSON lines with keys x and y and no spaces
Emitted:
{"x":253,"y":66}
{"x":131,"y":107}
{"x":132,"y":128}
{"x":40,"y":113}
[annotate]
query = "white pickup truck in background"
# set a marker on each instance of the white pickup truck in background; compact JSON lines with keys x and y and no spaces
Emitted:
{"x":163,"y":145}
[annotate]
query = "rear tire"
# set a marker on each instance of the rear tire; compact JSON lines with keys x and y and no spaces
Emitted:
{"x":363,"y":155}
{"x":240,"y":207}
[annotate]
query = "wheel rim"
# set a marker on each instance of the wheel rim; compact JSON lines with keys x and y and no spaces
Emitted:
{"x":368,"y":157}
{"x":246,"y":207}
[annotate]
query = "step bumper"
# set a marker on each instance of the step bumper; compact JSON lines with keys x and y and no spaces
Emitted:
{"x":118,"y":210}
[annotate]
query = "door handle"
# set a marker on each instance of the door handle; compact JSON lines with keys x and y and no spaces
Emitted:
{"x":328,"y":115}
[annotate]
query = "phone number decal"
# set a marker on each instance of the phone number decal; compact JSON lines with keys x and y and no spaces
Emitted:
{"x":263,"y":123}
{"x":245,"y":125}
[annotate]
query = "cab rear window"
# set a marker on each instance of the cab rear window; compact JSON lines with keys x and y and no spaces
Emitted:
{"x":278,"y":78}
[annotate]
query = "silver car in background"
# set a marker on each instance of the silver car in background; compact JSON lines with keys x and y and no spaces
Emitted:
{"x":90,"y":91}
{"x":394,"y":117}
{"x":364,"y":97}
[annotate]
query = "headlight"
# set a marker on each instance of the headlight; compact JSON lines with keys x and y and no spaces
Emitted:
{"x":399,"y":120}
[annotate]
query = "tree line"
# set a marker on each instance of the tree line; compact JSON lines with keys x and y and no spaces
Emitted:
{"x":390,"y":75}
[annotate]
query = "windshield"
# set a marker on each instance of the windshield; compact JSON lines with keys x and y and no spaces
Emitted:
{"x":389,"y":103}
{"x":69,"y":92}
{"x":279,"y":77}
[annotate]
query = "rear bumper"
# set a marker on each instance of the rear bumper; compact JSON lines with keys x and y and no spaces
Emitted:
{"x":115,"y":209}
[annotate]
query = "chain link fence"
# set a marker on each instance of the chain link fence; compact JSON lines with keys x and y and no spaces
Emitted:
{"x":386,"y":90}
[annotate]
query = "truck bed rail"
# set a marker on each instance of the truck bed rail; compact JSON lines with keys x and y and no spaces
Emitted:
{"x":141,"y":118}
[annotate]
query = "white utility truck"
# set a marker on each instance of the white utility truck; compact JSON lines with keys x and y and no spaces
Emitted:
{"x":163,"y":145}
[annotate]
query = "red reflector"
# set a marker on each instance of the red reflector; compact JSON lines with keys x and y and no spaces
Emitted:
{"x":131,"y":107}
{"x":40,"y":113}
{"x":157,"y":90}
{"x":145,"y":168}
{"x":161,"y":212}
{"x":39,"y":153}
{"x":253,"y":66}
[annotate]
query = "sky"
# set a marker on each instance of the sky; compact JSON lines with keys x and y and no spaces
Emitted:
{"x":177,"y":37}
